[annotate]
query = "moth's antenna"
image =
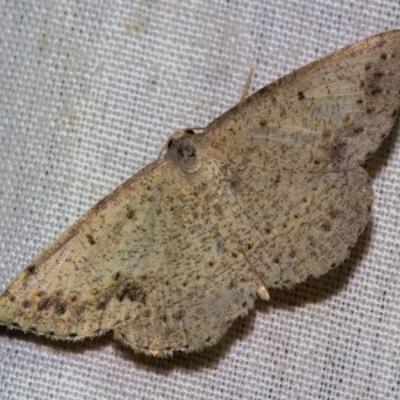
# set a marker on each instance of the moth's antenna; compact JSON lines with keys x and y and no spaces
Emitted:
{"x":247,"y":85}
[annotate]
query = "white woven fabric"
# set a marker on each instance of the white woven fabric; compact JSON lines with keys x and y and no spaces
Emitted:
{"x":90,"y":91}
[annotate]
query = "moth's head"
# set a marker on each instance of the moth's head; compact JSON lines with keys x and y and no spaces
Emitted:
{"x":182,"y":148}
{"x":181,"y":133}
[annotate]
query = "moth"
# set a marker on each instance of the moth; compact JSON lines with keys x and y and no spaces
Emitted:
{"x":268,"y":194}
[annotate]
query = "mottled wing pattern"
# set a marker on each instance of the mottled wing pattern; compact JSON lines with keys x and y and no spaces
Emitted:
{"x":270,"y":193}
{"x":151,"y":261}
{"x":206,"y":279}
{"x":327,"y":116}
{"x":295,"y":225}
{"x":292,"y":153}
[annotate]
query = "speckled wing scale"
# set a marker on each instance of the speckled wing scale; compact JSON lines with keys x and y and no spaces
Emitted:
{"x":270,"y":193}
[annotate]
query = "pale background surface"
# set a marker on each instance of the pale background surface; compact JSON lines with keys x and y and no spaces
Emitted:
{"x":90,"y":91}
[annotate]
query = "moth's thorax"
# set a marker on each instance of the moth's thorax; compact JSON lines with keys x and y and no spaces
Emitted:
{"x":183,"y":149}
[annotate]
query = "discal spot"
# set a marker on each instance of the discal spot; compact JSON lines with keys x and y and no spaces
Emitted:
{"x":217,"y":208}
{"x":234,"y":186}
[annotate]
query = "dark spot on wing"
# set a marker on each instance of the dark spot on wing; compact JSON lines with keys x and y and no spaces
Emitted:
{"x":300,"y":95}
{"x":54,"y":300}
{"x":381,"y":43}
{"x":73,"y":298}
{"x":376,"y":90}
{"x":31,"y":269}
{"x":116,"y":276}
{"x":43,"y":304}
{"x":26,"y":304}
{"x":358,"y":130}
{"x":60,"y":307}
{"x":10,"y":297}
{"x":337,"y":152}
{"x":102,"y":304}
{"x":348,"y":118}
{"x":178,"y":315}
{"x":130,"y":214}
{"x":220,"y":246}
{"x":326,"y":226}
{"x":132,"y":291}
{"x":217,"y":207}
{"x":234,"y":186}
{"x":121,"y":290}
{"x":90,"y":239}
{"x":333,"y":213}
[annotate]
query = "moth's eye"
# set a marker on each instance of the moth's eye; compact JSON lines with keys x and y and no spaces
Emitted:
{"x":190,"y":131}
{"x":169,"y":143}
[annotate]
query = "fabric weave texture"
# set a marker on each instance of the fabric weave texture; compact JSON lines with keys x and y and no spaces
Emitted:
{"x":90,"y":91}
